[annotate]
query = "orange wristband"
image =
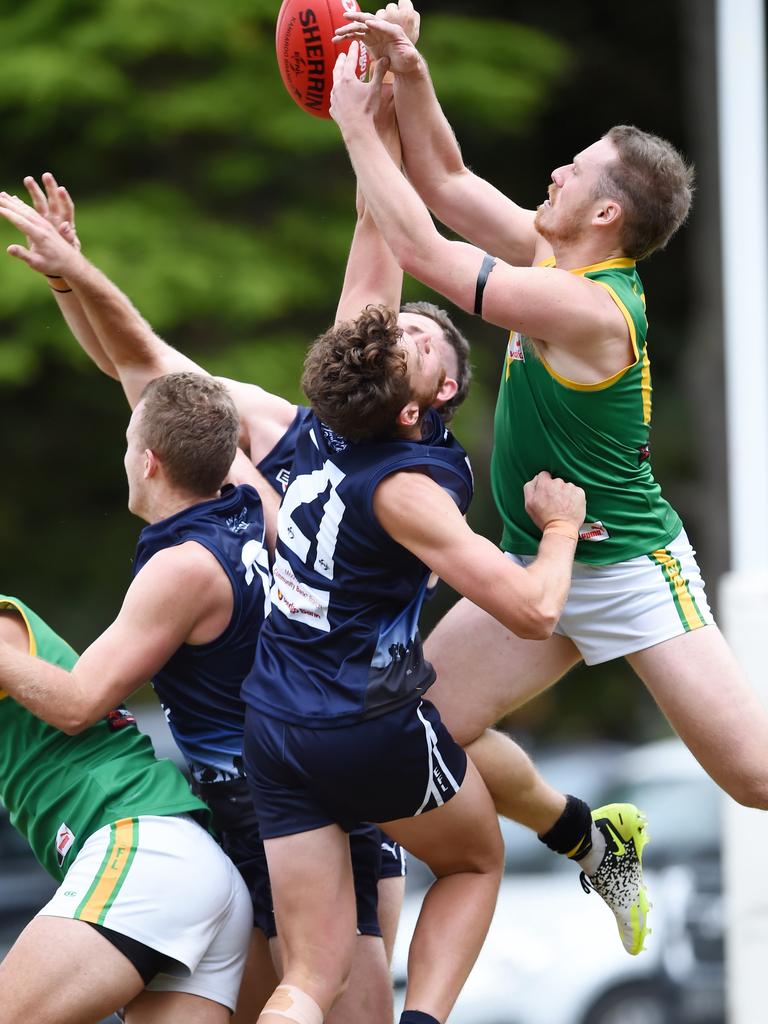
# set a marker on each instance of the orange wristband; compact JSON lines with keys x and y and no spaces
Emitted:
{"x":563,"y":528}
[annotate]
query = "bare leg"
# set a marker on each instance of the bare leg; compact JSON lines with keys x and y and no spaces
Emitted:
{"x":391,"y":895}
{"x":175,"y":1008}
{"x":462,"y":845}
{"x":368,"y":996}
{"x":86,"y":978}
{"x":315,"y":913}
{"x":484,"y":671}
{"x":259,"y":980}
{"x":517,"y":789}
{"x":698,"y":684}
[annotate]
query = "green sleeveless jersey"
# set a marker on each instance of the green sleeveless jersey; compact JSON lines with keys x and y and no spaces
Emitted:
{"x":60,"y":789}
{"x":594,"y":435}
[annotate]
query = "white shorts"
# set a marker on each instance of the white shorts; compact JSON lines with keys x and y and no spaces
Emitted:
{"x":614,"y":610}
{"x":163,"y":881}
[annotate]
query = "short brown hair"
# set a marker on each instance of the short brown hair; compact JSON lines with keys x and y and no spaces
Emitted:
{"x":653,"y":184}
{"x":460,"y":346}
{"x":190,"y":422}
{"x":356,"y":376}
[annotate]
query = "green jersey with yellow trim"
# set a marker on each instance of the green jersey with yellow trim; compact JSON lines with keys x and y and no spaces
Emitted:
{"x":60,"y":789}
{"x":594,"y":435}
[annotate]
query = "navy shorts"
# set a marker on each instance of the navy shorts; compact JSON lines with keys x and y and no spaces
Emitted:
{"x":397,"y":765}
{"x":394,"y":863}
{"x":237,"y":831}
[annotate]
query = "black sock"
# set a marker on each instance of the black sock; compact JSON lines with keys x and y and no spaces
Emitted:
{"x":572,"y":832}
{"x":417,"y":1017}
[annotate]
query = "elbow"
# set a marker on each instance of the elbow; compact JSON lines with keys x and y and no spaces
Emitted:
{"x":77,"y":720}
{"x":412,"y":258}
{"x":72,"y":725}
{"x":536,"y":622}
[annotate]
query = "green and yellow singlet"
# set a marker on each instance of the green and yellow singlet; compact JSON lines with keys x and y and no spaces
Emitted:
{"x":60,"y":789}
{"x":593,"y":435}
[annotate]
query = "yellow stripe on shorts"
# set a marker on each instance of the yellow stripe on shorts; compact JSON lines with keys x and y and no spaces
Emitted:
{"x":685,"y":603}
{"x":121,"y":849}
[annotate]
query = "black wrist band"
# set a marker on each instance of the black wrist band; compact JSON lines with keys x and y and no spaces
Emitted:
{"x":482,"y":279}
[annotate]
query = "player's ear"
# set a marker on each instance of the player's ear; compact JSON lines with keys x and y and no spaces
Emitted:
{"x":409,"y":415}
{"x":448,"y":389}
{"x":151,"y":463}
{"x":608,"y":212}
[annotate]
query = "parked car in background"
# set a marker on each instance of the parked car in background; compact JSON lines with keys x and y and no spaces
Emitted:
{"x":553,"y":954}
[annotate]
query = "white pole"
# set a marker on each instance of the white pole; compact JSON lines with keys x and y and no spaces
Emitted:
{"x":741,"y":115}
{"x":744,"y":592}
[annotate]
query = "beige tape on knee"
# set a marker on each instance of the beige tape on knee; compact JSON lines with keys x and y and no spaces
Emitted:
{"x":290,"y":1002}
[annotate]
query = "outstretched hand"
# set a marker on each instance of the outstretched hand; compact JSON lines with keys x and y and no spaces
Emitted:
{"x":354,"y":102}
{"x":383,"y":37}
{"x":56,"y":205}
{"x":47,"y":250}
{"x":404,"y":14}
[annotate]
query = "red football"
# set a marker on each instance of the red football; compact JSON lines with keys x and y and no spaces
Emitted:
{"x":305,"y":51}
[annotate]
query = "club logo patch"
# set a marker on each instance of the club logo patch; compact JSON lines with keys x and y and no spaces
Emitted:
{"x":515,"y":352}
{"x":65,"y":840}
{"x":120,"y":718}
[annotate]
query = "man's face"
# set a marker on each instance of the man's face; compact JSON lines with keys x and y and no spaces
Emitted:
{"x":567,"y":213}
{"x":134,"y":461}
{"x":429,"y":335}
{"x":425,"y":365}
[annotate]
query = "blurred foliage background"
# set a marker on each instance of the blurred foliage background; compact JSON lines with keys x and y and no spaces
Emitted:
{"x":225,"y":212}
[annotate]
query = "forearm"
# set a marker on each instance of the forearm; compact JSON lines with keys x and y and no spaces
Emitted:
{"x":550,"y":574}
{"x":373,"y":275}
{"x":527,"y":601}
{"x":76,"y":319}
{"x":49,"y":692}
{"x":466,"y":203}
{"x":400,"y":215}
{"x":137,"y":353}
{"x":431,"y":152}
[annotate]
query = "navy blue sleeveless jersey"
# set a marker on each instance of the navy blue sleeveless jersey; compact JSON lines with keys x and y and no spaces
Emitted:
{"x":199,"y":687}
{"x":341,"y":641}
{"x":275,"y":467}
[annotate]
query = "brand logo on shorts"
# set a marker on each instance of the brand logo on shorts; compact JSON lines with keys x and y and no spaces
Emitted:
{"x":65,"y":840}
{"x":593,"y":531}
{"x":439,"y":778}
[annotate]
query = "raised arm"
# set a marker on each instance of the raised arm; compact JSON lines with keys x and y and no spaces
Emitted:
{"x":136,"y":353}
{"x":373,"y":275}
{"x":530,"y":300}
{"x":421,"y":516}
{"x":122,"y":335}
{"x":468,"y":204}
{"x":55,"y":204}
{"x":181,"y":595}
